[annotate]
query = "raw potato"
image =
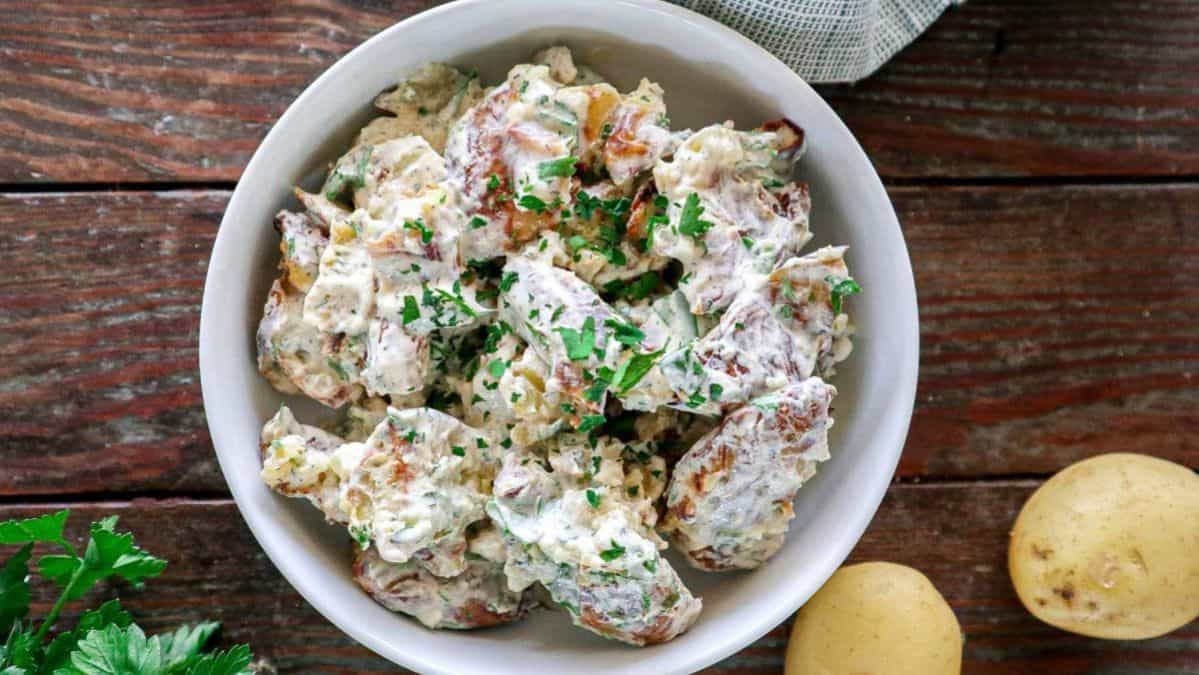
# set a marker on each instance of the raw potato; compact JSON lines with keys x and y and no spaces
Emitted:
{"x":1109,"y":548}
{"x":873,"y":619}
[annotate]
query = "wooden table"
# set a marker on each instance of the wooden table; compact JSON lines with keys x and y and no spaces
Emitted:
{"x":1043,"y":158}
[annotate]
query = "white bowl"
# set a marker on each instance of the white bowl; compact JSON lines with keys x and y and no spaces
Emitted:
{"x":710,"y":73}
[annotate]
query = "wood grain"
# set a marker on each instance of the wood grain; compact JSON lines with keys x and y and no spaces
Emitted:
{"x":956,"y":534}
{"x":1056,"y":323}
{"x":99,"y":324}
{"x":181,"y":91}
{"x":1034,"y":88}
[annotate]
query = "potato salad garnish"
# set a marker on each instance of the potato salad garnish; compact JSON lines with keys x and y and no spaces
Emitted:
{"x":563,"y":337}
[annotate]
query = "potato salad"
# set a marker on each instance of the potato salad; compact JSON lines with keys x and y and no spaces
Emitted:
{"x":563,"y":338}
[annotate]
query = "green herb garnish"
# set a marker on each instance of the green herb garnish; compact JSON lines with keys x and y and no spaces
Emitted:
{"x":563,"y":167}
{"x":613,"y":553}
{"x":579,"y":343}
{"x":689,"y":221}
{"x":841,"y":289}
{"x":590,"y":422}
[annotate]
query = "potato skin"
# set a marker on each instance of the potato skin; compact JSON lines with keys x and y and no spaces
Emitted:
{"x":1109,"y":548}
{"x":875,"y":618}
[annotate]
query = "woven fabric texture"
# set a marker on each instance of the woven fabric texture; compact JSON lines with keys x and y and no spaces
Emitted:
{"x":826,"y":40}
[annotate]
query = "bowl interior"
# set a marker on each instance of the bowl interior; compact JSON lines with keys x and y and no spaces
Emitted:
{"x":710,"y":74}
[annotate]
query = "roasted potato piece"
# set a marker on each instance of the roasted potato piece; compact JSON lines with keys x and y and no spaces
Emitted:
{"x":728,"y":504}
{"x":581,"y":533}
{"x":477,"y":598}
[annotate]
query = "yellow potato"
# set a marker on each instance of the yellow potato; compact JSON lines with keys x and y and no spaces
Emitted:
{"x":875,"y":619}
{"x":1109,"y":548}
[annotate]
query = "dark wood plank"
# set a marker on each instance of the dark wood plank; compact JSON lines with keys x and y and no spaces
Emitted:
{"x":1033,"y":88}
{"x":136,"y":91}
{"x":99,"y":324}
{"x":1057,"y":323}
{"x":132,"y":91}
{"x":218,"y":572}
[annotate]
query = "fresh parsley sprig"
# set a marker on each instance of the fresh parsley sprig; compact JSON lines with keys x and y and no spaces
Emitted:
{"x":105,"y":641}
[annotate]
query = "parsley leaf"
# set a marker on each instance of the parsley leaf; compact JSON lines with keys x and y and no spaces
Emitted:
{"x":613,"y":553}
{"x":625,"y":333}
{"x":689,"y":221}
{"x":563,"y":167}
{"x":631,"y":371}
{"x":593,"y":499}
{"x":107,"y":554}
{"x":590,"y":422}
{"x":841,"y":289}
{"x":185,"y":643}
{"x":338,"y":180}
{"x":116,"y":651}
{"x":477,"y":223}
{"x":507,"y":281}
{"x":458,"y":451}
{"x":576,"y":242}
{"x":411,"y":311}
{"x":586,"y":205}
{"x":497,"y":368}
{"x":531,"y":203}
{"x":714,"y":391}
{"x":426,"y":235}
{"x":579,"y":343}
{"x":595,"y":393}
{"x":59,"y":650}
{"x":46,"y":529}
{"x":493,"y":183}
{"x":14,"y":589}
{"x":643,"y":286}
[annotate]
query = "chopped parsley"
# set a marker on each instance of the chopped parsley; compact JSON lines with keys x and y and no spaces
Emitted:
{"x":576,"y":242}
{"x":497,"y":368}
{"x":579,"y":343}
{"x":625,"y":333}
{"x":531,"y":203}
{"x":593,"y":499}
{"x":477,"y":222}
{"x":411,"y":311}
{"x":458,"y":450}
{"x":612,"y":553}
{"x":586,"y":205}
{"x":563,"y":167}
{"x":841,"y":289}
{"x":507,"y":280}
{"x":339,"y":181}
{"x":689,"y":221}
{"x":631,"y":371}
{"x":493,"y":183}
{"x":590,"y":422}
{"x":714,"y":391}
{"x":747,"y":243}
{"x":603,"y":377}
{"x":426,"y":235}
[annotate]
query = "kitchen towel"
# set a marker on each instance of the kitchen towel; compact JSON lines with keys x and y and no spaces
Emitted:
{"x":826,"y":40}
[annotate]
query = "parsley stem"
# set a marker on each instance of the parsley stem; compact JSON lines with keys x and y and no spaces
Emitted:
{"x":57,"y":608}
